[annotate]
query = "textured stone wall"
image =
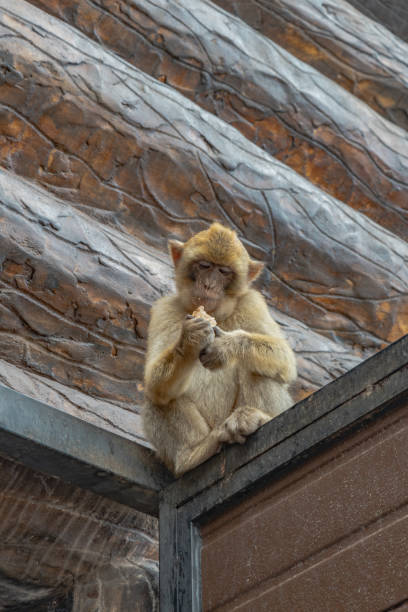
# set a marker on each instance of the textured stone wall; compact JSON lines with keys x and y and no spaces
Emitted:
{"x":339,"y":41}
{"x":287,"y":109}
{"x":393,"y":14}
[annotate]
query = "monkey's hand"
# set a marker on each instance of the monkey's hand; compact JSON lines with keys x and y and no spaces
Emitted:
{"x":261,"y":354}
{"x":216,"y":354}
{"x":213,"y":356}
{"x":220,"y":352}
{"x":196,"y":334}
{"x":243,"y":422}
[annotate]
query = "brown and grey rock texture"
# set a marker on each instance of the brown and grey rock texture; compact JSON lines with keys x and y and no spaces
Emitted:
{"x":125,"y":122}
{"x":340,"y":42}
{"x":285,"y":106}
{"x":394,"y":15}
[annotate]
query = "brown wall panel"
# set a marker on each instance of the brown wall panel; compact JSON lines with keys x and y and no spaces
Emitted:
{"x":369,"y":574}
{"x":331,"y":535}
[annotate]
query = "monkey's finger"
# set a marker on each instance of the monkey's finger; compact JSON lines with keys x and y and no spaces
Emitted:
{"x":205,"y":359}
{"x":194,"y":322}
{"x":218,"y":331}
{"x":225,"y":435}
{"x":200,"y":324}
{"x":189,"y":316}
{"x":202,"y":357}
{"x":198,"y":329}
{"x":209,"y":363}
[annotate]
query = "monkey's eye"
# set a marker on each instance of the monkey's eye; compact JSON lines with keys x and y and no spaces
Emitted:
{"x":204,"y":265}
{"x":225,"y":270}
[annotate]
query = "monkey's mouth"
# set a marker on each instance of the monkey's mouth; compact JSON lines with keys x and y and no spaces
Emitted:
{"x":209,"y":303}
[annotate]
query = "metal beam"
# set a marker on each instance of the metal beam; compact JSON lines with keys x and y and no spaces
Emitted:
{"x":51,"y":441}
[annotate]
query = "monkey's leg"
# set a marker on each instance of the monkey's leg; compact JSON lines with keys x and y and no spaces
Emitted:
{"x":188,"y":458}
{"x":241,"y":423}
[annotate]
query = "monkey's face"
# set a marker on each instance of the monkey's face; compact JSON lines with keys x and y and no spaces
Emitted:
{"x":213,"y":269}
{"x":209,"y":283}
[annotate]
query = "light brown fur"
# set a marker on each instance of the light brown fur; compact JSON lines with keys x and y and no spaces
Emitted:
{"x":204,"y":389}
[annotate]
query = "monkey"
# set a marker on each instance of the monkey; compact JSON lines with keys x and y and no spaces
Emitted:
{"x":204,"y":385}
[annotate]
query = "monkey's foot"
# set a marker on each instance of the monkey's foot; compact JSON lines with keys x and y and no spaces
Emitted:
{"x":243,"y":422}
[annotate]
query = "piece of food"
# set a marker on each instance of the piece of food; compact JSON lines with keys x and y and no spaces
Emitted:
{"x":201,"y":314}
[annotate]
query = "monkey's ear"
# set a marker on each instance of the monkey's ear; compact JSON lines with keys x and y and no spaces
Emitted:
{"x":176,"y":250}
{"x":254,"y":269}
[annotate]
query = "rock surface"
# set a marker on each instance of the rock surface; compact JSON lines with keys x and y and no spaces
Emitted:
{"x":337,"y":40}
{"x":286,"y":107}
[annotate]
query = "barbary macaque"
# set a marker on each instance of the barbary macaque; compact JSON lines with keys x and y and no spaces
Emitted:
{"x":206,"y":385}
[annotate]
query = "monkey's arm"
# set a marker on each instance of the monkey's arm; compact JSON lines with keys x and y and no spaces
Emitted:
{"x":167,"y":376}
{"x":266,"y":355}
{"x":260,"y":342}
{"x":174,"y":343}
{"x":188,"y":458}
{"x":260,"y":354}
{"x":255,"y":341}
